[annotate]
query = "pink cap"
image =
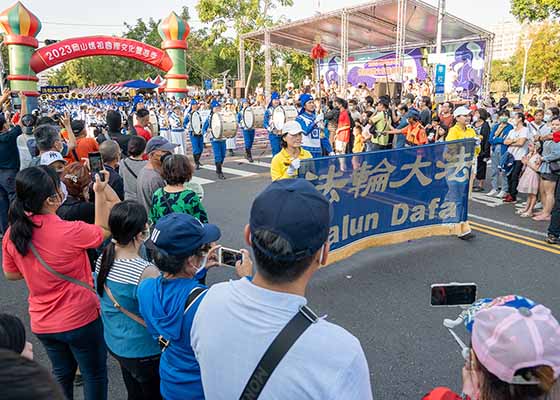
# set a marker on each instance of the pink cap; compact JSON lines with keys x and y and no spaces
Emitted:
{"x":506,"y":339}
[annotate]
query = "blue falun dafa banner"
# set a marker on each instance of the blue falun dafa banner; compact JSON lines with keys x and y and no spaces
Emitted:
{"x":392,"y":196}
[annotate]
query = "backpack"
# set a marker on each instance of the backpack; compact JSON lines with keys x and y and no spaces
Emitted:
{"x":506,"y":163}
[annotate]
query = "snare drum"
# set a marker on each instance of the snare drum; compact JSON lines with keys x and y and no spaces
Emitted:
{"x":197,"y":121}
{"x":283,"y":114}
{"x":253,"y":117}
{"x":224,"y":125}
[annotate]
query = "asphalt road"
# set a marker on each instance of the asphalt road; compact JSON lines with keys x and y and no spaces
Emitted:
{"x":381,"y":295}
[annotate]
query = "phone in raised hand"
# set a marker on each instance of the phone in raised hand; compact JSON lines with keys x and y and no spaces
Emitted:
{"x":229,"y":257}
{"x":452,"y":294}
{"x":96,"y":165}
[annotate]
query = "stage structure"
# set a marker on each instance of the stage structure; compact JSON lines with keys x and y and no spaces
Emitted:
{"x":20,"y":28}
{"x":385,"y":39}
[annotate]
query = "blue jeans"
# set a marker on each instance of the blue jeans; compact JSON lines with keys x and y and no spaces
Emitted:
{"x":248,"y":138}
{"x":495,"y":173}
{"x":315,"y":151}
{"x":83,"y":347}
{"x":399,"y":141}
{"x":7,"y":194}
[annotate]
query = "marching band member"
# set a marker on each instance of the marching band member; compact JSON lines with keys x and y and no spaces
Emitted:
{"x":248,"y":134}
{"x":197,"y":141}
{"x":177,"y":130}
{"x":231,"y":143}
{"x":218,"y":144}
{"x":310,"y":126}
{"x":163,"y":122}
{"x":275,"y":141}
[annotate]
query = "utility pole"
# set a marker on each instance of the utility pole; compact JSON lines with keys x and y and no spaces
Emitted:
{"x":527,"y":45}
{"x":441,"y":13}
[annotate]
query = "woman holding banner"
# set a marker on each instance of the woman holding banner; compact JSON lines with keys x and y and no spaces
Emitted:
{"x":286,"y":163}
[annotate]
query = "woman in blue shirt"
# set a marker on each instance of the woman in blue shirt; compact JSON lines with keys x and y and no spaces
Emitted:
{"x":118,"y":272}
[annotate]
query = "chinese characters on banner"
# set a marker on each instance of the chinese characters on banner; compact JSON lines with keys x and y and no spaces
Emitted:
{"x":395,"y":190}
{"x":54,"y":89}
{"x":70,"y":49}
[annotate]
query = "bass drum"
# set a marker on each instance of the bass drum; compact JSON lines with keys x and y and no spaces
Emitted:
{"x":253,"y":117}
{"x":283,"y":114}
{"x":224,"y":125}
{"x":197,"y":121}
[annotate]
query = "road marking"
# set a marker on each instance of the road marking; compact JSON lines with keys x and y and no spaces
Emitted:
{"x":539,"y":241}
{"x":256,"y":162}
{"x":519,"y":228}
{"x":486,"y":200}
{"x":201,"y":181}
{"x":516,"y":240}
{"x":230,"y":170}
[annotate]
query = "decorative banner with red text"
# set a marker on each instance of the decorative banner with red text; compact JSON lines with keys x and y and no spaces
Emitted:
{"x":69,"y":49}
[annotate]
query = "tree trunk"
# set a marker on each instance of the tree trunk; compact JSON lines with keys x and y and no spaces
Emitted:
{"x":251,"y":68}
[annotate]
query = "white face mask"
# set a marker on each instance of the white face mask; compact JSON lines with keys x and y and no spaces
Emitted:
{"x":64,"y":192}
{"x":474,"y":119}
{"x":202,"y":264}
{"x":547,"y":117}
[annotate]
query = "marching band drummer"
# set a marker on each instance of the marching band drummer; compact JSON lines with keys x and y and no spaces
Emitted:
{"x":310,"y":125}
{"x":197,"y":141}
{"x":248,"y":134}
{"x":177,"y":131}
{"x":275,"y":140}
{"x":218,"y":145}
{"x":231,"y":143}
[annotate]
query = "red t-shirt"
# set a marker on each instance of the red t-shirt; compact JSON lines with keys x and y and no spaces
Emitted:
{"x":56,"y":305}
{"x":141,"y":131}
{"x":343,"y":134}
{"x":84,"y":146}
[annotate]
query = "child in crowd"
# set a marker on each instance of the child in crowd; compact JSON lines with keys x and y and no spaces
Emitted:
{"x":358,"y":139}
{"x":529,"y":182}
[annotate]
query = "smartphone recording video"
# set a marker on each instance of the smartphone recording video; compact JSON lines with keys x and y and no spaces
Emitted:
{"x":453,"y":294}
{"x":229,"y":257}
{"x":15,"y":100}
{"x":96,"y":165}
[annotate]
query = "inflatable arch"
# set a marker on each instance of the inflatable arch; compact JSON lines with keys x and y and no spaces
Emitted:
{"x":20,"y":28}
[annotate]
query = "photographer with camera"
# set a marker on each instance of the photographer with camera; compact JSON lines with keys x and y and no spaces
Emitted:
{"x":515,"y":353}
{"x":238,"y":320}
{"x":183,"y":249}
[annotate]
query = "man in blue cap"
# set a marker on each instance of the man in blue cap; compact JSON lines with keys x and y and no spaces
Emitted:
{"x":248,"y":133}
{"x":307,"y":118}
{"x":238,"y":320}
{"x":197,"y":141}
{"x":218,"y":144}
{"x":273,"y":134}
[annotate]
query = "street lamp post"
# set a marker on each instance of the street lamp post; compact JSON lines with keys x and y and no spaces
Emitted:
{"x":527,"y":45}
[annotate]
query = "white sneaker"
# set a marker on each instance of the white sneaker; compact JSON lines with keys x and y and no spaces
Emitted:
{"x":538,"y":206}
{"x":493,"y":192}
{"x":501,"y":194}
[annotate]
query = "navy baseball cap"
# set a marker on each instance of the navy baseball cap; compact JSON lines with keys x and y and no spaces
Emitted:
{"x":159,"y":143}
{"x":413,"y":113}
{"x":294,"y":210}
{"x":180,"y":235}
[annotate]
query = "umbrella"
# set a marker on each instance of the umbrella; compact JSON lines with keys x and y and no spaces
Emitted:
{"x":139,"y":84}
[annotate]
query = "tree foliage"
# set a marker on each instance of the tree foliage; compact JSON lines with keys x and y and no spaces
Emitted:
{"x":244,"y":16}
{"x":535,"y":10}
{"x":543,"y":63}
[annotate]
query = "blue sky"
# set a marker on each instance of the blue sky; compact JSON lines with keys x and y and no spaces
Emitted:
{"x":70,"y":18}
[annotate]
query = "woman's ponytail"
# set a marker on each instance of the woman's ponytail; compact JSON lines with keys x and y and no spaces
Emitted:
{"x":21,"y":226}
{"x":34,"y":186}
{"x":107,"y":260}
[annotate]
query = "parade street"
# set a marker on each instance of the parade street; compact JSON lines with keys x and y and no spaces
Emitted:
{"x":382,"y":294}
